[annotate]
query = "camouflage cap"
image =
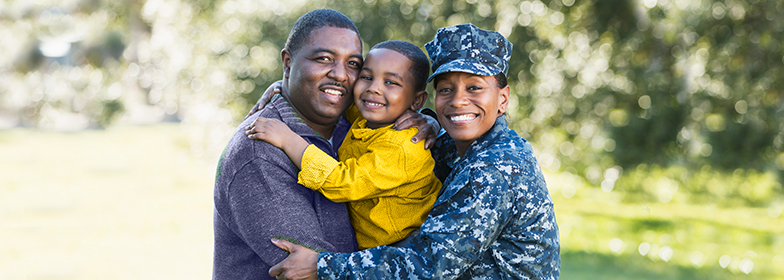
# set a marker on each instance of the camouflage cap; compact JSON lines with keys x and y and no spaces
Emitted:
{"x":467,"y":48}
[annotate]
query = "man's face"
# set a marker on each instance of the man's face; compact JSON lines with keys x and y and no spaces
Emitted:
{"x":322,"y":73}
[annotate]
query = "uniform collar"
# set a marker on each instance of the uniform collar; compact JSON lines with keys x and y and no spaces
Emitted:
{"x":500,"y":128}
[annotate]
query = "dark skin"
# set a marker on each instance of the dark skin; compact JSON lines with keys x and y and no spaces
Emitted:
{"x":318,"y":78}
{"x":467,"y":104}
{"x":428,"y":127}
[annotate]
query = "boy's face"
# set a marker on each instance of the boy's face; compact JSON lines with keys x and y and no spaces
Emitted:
{"x":385,"y":87}
{"x":467,"y":105}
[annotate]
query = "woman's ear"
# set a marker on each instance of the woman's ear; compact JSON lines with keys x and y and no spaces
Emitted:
{"x":419,"y":100}
{"x":285,"y":56}
{"x":503,"y":100}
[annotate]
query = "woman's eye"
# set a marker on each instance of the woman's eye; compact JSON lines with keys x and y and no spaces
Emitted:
{"x":474,"y":88}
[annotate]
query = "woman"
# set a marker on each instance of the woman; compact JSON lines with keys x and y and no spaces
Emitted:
{"x":494,"y":218}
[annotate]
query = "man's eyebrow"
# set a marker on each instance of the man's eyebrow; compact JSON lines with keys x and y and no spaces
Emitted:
{"x":319,"y":50}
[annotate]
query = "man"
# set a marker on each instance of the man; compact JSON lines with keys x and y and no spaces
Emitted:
{"x":256,"y":192}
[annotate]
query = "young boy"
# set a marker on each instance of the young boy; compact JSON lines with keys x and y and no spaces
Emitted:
{"x":387,"y":180}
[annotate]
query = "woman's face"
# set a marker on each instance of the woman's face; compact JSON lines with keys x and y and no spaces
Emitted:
{"x":467,"y":105}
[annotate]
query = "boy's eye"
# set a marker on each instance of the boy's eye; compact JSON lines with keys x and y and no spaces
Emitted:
{"x":364,"y":77}
{"x":391,"y":83}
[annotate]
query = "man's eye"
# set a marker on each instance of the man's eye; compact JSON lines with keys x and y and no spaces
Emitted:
{"x":322,"y":58}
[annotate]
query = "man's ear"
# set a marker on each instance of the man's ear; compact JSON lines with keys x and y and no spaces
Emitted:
{"x":286,"y":57}
{"x":503,"y":100}
{"x":419,"y":100}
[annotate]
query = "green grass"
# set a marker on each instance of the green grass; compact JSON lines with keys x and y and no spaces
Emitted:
{"x":131,"y":202}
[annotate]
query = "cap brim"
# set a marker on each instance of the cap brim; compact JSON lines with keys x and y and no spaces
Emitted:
{"x":469,"y":66}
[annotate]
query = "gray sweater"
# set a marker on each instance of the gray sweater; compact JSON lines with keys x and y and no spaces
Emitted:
{"x":257,"y":197}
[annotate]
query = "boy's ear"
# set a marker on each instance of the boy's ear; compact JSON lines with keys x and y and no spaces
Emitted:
{"x":285,"y":56}
{"x":503,"y":100}
{"x":419,"y":100}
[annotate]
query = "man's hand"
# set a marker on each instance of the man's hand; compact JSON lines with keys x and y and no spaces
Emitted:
{"x":428,"y":127}
{"x":300,"y":264}
{"x":265,"y":98}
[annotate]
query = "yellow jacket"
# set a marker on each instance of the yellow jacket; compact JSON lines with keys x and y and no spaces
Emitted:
{"x":386,"y":180}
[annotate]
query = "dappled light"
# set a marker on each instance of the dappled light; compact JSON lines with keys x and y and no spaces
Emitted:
{"x":659,"y":123}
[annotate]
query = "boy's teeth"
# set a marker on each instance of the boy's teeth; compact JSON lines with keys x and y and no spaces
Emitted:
{"x":373,"y":103}
{"x":333,"y":92}
{"x":465,"y":117}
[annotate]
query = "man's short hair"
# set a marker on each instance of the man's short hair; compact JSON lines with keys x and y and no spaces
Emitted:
{"x":315,"y":19}
{"x":420,"y":65}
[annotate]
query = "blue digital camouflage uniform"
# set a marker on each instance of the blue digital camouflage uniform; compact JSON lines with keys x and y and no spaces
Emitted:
{"x":493,"y":220}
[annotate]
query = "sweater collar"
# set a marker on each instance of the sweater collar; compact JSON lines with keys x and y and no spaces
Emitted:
{"x":290,"y":117}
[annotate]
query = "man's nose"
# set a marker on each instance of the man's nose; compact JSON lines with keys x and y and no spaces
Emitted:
{"x":339,"y":73}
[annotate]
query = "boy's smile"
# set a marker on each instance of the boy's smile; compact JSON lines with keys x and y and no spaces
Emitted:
{"x":385,"y":87}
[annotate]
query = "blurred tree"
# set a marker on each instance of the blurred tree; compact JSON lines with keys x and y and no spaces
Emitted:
{"x":598,"y":85}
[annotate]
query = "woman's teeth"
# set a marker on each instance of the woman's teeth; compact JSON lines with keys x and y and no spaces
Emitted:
{"x":460,"y":118}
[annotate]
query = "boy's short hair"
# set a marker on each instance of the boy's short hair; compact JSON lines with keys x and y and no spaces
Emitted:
{"x":315,"y":19}
{"x":420,"y":65}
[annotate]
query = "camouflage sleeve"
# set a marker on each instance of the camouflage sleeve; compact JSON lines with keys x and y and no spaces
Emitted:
{"x":463,"y":224}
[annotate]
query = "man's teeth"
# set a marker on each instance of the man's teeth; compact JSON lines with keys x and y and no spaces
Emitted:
{"x":333,"y":92}
{"x":373,"y":103}
{"x":461,"y":118}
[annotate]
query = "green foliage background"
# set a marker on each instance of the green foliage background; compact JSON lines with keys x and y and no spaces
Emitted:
{"x":630,"y":102}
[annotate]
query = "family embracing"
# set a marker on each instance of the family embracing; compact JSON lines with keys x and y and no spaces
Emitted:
{"x":330,"y":180}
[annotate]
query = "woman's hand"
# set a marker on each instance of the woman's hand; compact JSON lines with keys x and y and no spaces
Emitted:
{"x":427,"y":125}
{"x":300,"y":264}
{"x":265,"y":98}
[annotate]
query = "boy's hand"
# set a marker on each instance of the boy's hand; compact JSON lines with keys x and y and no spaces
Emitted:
{"x":273,"y":131}
{"x":265,"y":98}
{"x":428,"y":127}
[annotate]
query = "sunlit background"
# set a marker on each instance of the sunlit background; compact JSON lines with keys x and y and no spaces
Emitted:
{"x":659,"y":124}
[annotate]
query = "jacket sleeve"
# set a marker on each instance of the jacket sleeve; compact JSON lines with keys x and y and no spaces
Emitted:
{"x":378,"y":172}
{"x":464,"y":223}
